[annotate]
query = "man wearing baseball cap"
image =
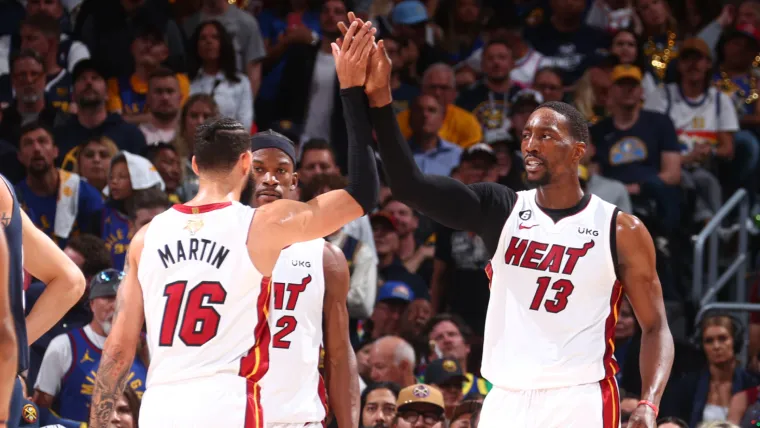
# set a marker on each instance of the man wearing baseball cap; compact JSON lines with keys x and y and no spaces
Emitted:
{"x":392,"y":299}
{"x":446,"y":374}
{"x":65,"y":377}
{"x":409,"y":19}
{"x":419,"y":405}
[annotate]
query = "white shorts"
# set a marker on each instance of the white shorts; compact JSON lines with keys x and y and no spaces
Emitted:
{"x":594,"y":405}
{"x":220,"y":401}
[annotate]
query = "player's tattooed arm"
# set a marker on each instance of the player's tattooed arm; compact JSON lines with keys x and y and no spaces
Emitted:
{"x":121,"y":344}
{"x":5,"y":218}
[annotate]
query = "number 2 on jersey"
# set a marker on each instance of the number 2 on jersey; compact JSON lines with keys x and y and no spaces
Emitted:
{"x":200,"y":321}
{"x":286,"y":323}
{"x":564,"y":289}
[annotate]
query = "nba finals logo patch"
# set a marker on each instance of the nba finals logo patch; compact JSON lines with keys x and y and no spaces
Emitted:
{"x":194,"y":225}
{"x":421,"y":391}
{"x":525,"y":215}
{"x":29,"y":414}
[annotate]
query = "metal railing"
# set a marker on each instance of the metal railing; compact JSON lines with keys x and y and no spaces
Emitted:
{"x":738,"y":267}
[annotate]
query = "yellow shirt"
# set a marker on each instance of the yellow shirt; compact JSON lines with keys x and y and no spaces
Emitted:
{"x":459,"y":127}
{"x":136,"y":89}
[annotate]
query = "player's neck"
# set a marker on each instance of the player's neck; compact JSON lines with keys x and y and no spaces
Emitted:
{"x":565,"y":194}
{"x":212,"y":192}
{"x":722,"y":372}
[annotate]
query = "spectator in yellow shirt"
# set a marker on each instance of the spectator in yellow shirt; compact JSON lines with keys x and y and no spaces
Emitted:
{"x":127,"y":94}
{"x":459,"y":126}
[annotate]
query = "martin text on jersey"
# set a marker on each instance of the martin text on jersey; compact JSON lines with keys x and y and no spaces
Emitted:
{"x":203,"y":250}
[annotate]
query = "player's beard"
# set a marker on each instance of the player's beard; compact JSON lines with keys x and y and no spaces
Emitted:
{"x":246,"y":196}
{"x":541,"y":181}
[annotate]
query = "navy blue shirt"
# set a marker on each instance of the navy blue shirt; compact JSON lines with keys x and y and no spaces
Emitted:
{"x":571,"y":51}
{"x":633,"y":155}
{"x":71,"y":134}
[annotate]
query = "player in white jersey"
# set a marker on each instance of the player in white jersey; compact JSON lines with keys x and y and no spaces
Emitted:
{"x":559,"y":257}
{"x":310,"y":280}
{"x":199,"y":276}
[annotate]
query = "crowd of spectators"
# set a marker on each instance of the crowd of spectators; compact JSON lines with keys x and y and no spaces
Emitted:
{"x":101,"y":98}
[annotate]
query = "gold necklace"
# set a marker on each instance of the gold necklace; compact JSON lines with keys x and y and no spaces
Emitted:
{"x":728,"y":86}
{"x":659,"y":58}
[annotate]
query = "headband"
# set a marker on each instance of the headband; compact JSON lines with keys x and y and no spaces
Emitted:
{"x":266,"y":140}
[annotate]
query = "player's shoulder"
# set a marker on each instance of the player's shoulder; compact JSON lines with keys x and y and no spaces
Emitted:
{"x":333,"y":254}
{"x":630,"y":230}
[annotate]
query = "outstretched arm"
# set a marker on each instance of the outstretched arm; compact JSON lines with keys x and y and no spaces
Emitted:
{"x":121,"y":344}
{"x":637,"y":270}
{"x":8,"y":346}
{"x":286,"y":222}
{"x":340,"y":361}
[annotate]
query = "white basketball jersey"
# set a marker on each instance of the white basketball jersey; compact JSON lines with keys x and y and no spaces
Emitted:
{"x":293,"y":391}
{"x":554,"y":298}
{"x":205,"y":302}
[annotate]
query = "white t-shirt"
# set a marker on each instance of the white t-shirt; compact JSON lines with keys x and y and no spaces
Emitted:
{"x":696,"y":120}
{"x":234,"y":99}
{"x":57,"y":360}
{"x":321,"y":98}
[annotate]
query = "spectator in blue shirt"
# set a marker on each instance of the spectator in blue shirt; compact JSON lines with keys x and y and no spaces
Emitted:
{"x":58,"y":202}
{"x":433,"y":154}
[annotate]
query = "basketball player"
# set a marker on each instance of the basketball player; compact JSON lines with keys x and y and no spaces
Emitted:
{"x":8,"y":351}
{"x":199,"y":274}
{"x":64,"y":283}
{"x":310,"y":278}
{"x":561,"y":262}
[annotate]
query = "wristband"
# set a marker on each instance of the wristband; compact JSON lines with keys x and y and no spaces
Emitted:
{"x":650,"y":405}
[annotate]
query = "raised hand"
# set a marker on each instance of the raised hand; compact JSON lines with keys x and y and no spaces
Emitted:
{"x":378,"y":80}
{"x":352,"y":54}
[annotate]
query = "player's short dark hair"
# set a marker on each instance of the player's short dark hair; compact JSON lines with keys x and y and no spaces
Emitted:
{"x":393,"y":387}
{"x":33,"y":126}
{"x":93,"y":250}
{"x":151,"y":151}
{"x":27,"y":53}
{"x":43,"y":22}
{"x":219,"y":143}
{"x":317,"y":144}
{"x":160,"y":73}
{"x":577,"y":123}
{"x":311,"y":189}
{"x":148,"y":199}
{"x":455,"y":319}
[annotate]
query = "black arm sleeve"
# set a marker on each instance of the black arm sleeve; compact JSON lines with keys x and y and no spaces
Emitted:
{"x":364,"y":183}
{"x":482,"y":208}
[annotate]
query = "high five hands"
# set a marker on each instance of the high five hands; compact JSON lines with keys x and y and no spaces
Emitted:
{"x":362,"y":62}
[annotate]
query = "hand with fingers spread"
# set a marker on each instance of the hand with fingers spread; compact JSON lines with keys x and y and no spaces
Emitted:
{"x":378,"y":83}
{"x":352,"y":54}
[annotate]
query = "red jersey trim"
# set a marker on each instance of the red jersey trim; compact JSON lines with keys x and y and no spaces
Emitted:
{"x":610,"y":365}
{"x":610,"y":403}
{"x":200,"y":209}
{"x":255,"y":363}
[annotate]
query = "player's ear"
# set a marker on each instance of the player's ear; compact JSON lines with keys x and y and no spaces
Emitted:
{"x":579,"y":151}
{"x":245,"y":161}
{"x":294,"y":184}
{"x":194,"y":165}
